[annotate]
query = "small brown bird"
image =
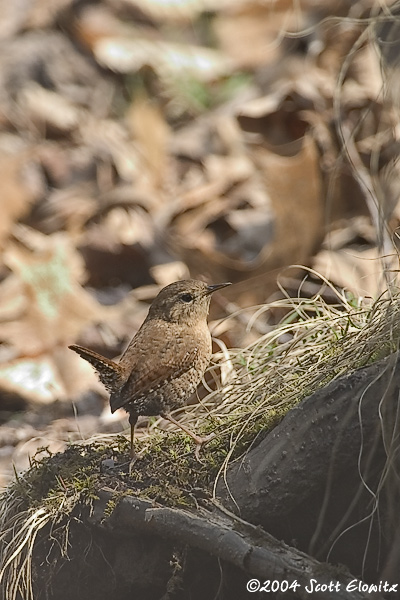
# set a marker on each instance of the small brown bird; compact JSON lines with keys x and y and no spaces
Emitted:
{"x":165,"y":361}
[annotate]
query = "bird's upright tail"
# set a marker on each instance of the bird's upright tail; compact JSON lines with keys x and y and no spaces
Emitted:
{"x":110,"y":373}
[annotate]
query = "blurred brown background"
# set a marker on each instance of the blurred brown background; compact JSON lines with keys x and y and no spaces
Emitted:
{"x":144,"y":141}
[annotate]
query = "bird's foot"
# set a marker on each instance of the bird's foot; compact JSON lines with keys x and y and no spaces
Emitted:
{"x":201,"y":441}
{"x":132,"y":463}
{"x":135,"y":456}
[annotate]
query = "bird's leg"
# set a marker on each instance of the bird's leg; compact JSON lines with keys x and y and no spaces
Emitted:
{"x":132,"y":422}
{"x":197,"y":438}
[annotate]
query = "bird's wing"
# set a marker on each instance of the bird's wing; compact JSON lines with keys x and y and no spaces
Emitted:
{"x":153,"y":361}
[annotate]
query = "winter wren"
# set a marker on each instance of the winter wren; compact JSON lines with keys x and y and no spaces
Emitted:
{"x":165,"y":361}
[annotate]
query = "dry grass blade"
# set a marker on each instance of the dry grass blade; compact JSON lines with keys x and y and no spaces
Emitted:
{"x":19,"y":531}
{"x":314,"y":344}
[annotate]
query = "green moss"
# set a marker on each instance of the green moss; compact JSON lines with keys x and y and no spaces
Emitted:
{"x":74,"y":473}
{"x":167,"y":472}
{"x":270,"y":379}
{"x":114,"y":500}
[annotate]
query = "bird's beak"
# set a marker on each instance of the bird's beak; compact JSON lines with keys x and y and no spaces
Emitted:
{"x":216,"y":286}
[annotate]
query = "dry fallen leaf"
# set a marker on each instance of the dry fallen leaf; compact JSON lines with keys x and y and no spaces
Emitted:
{"x":53,"y":307}
{"x":355,"y":270}
{"x":176,"y":11}
{"x":151,"y":133}
{"x":45,"y":108}
{"x":169,"y":60}
{"x":298,"y":207}
{"x":17,"y":194}
{"x":251,"y":33}
{"x":35,"y":379}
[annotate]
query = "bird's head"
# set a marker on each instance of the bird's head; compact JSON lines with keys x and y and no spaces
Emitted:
{"x":186,"y":301}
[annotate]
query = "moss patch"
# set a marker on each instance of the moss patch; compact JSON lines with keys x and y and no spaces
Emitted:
{"x":267,"y":379}
{"x":262,"y":383}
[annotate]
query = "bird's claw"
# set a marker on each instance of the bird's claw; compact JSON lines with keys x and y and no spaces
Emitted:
{"x":134,"y":458}
{"x":201,"y":442}
{"x":132,"y":464}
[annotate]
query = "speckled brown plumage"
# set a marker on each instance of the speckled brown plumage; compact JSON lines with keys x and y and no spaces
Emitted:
{"x":165,"y":361}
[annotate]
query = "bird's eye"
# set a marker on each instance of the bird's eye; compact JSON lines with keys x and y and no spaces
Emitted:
{"x":186,"y":297}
